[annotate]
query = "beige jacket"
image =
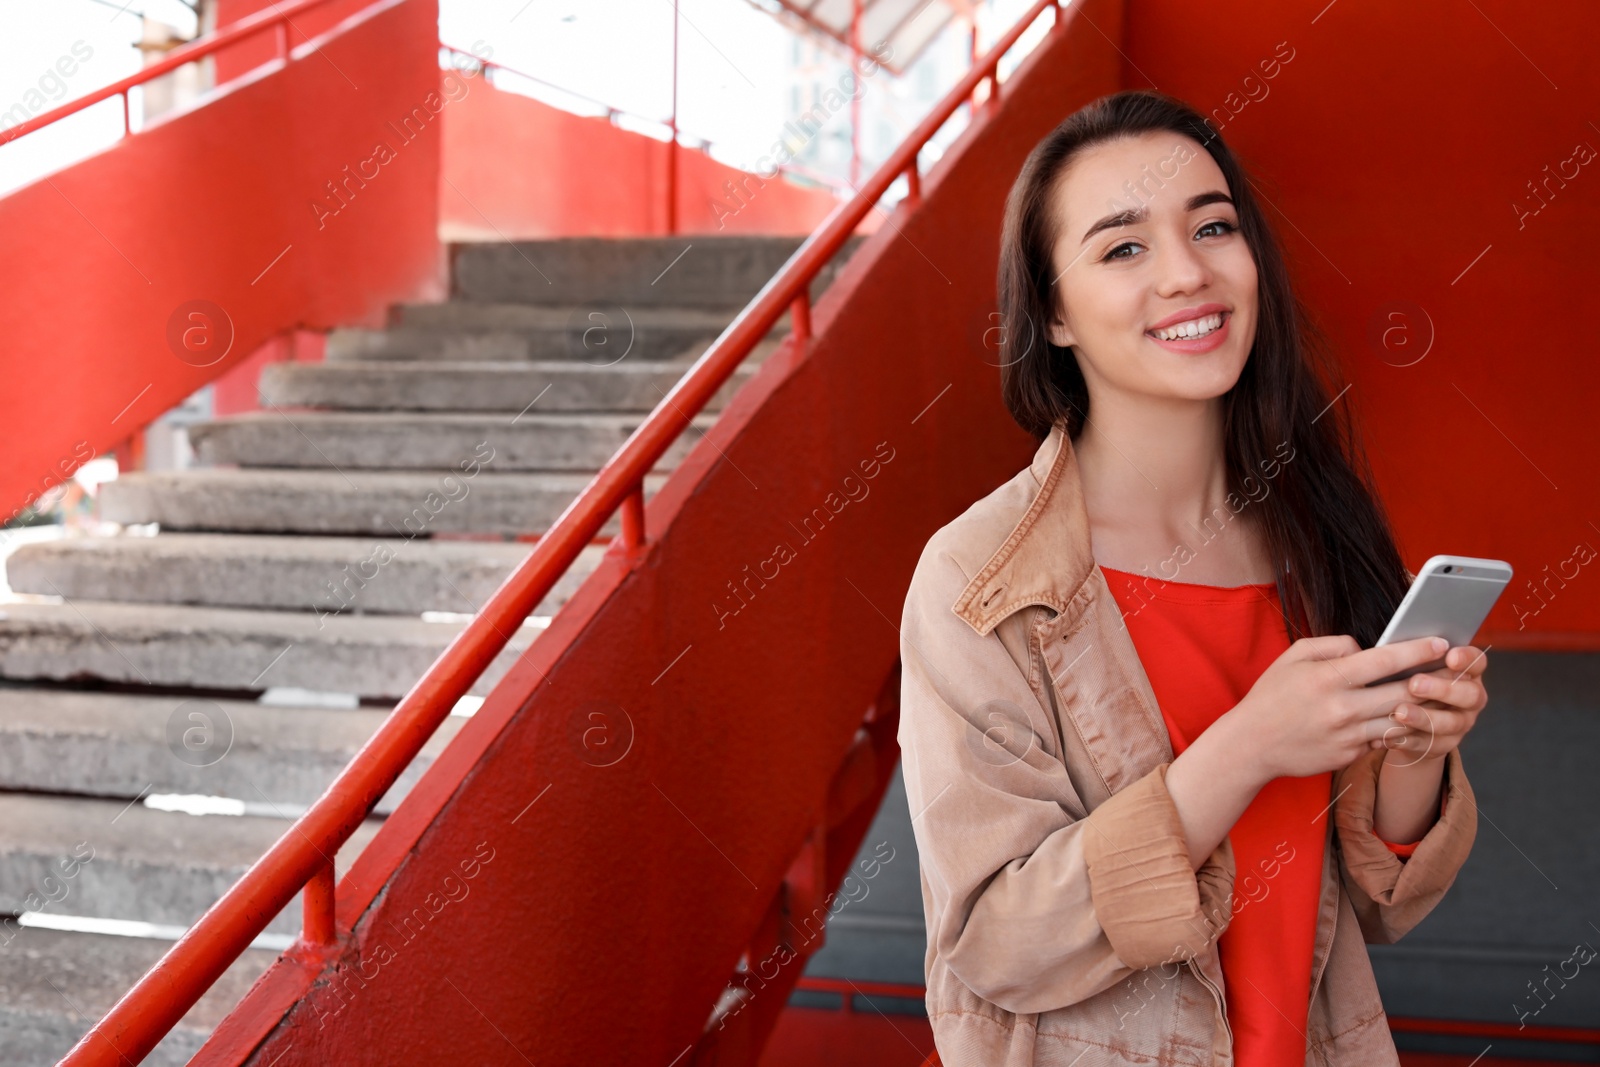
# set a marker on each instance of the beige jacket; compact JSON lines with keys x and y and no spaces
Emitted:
{"x":1065,"y":923}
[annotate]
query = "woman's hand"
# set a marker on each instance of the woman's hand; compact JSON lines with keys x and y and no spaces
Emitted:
{"x":1441,"y":707}
{"x":1313,"y":709}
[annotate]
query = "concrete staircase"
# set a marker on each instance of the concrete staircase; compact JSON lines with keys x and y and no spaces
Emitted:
{"x":231,"y":648}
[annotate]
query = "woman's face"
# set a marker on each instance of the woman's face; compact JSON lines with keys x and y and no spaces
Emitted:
{"x":1147,"y":237}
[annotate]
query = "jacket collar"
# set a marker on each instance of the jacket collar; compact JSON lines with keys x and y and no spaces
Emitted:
{"x":1048,"y":555}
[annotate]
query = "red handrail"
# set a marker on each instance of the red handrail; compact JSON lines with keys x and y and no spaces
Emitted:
{"x":157,"y":1001}
{"x":246,"y":27}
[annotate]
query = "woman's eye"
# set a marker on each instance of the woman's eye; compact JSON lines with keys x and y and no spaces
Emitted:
{"x":1226,"y":227}
{"x":1113,"y":253}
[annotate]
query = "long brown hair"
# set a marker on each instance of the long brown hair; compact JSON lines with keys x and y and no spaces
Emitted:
{"x":1337,"y":568}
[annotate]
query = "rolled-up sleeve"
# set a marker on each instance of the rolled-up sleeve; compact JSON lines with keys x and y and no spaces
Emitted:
{"x":1392,"y":895}
{"x":1033,"y":903}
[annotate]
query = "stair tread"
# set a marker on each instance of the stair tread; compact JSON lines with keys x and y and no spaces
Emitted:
{"x":44,"y":968}
{"x":532,"y":421}
{"x":116,"y":618}
{"x":508,"y":315}
{"x":283,"y":572}
{"x":107,"y":744}
{"x":124,"y":833}
{"x":409,"y":479}
{"x":92,"y":714}
{"x":357,"y":501}
{"x":481,"y":386}
{"x":386,"y":440}
{"x":232,"y":648}
{"x":114,"y":859}
{"x":271,"y":548}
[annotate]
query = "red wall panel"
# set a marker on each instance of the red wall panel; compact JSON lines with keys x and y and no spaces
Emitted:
{"x":1397,"y":148}
{"x":105,"y":260}
{"x":516,"y":168}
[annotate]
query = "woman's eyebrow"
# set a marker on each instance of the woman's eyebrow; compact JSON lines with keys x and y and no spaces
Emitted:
{"x":1142,"y":213}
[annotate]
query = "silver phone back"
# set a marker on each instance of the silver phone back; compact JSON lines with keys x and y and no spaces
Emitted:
{"x":1450,"y":598}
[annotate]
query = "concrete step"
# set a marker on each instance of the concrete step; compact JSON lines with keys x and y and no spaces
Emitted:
{"x":597,"y":348}
{"x":127,"y":745}
{"x":392,"y":385}
{"x":321,"y":574}
{"x":424,"y":440}
{"x":692,"y":271}
{"x":386,"y":503}
{"x":594,"y":335}
{"x":55,"y":985}
{"x":111,"y":859}
{"x":223,"y":648}
{"x":597,"y":319}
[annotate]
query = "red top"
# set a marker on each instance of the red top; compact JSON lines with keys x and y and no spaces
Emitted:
{"x":1202,"y":648}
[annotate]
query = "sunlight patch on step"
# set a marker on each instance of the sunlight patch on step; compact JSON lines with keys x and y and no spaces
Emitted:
{"x":532,"y":622}
{"x":286,"y":696}
{"x":83,"y":924}
{"x":446,"y":616}
{"x":201,"y":804}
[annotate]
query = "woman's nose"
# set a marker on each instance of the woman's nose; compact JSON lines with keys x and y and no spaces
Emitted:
{"x":1181,"y":267}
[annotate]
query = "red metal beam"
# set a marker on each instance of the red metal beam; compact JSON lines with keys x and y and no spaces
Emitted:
{"x":1505,"y":1031}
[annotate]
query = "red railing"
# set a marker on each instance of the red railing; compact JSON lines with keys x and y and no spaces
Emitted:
{"x":302,"y":857}
{"x":1577,"y":1035}
{"x":612,"y":113}
{"x":277,"y":18}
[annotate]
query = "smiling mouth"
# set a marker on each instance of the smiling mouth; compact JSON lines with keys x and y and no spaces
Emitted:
{"x":1194,"y":328}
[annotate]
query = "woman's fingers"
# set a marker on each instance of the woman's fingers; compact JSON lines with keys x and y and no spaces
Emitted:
{"x":1466,"y":659}
{"x":1436,"y":729}
{"x":1368,"y":665}
{"x":1458,"y":692}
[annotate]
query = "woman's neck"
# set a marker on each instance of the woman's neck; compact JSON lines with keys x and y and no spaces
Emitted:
{"x":1155,"y":488}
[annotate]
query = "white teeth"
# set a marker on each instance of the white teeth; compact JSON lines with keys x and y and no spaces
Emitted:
{"x":1192,"y":328}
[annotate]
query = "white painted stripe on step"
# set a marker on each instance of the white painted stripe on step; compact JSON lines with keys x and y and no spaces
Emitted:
{"x":83,"y":924}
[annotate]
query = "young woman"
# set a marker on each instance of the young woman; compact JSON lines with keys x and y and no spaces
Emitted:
{"x":1158,"y":807}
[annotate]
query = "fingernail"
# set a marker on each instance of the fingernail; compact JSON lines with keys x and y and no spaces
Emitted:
{"x":1440,"y":644}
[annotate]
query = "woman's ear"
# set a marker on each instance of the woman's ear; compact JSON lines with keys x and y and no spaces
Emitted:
{"x":1060,"y":335}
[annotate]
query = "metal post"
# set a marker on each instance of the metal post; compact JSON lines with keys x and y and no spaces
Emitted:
{"x":972,"y":60}
{"x":800,"y":318}
{"x":633,"y":518}
{"x":855,"y":97}
{"x":318,"y":901}
{"x":672,"y":146}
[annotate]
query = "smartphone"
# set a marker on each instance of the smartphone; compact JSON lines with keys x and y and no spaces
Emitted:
{"x":1449,"y":598}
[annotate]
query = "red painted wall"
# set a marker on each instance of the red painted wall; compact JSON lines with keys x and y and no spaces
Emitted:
{"x":593,"y":913}
{"x":1396,"y":147}
{"x":105,"y":260}
{"x":255,"y":50}
{"x":517,"y":168}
